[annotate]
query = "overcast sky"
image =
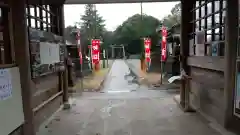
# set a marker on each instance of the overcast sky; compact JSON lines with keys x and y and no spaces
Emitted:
{"x":115,"y":14}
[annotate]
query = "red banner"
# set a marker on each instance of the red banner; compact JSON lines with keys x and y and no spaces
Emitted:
{"x":147,"y":45}
{"x":164,"y":44}
{"x":95,"y":50}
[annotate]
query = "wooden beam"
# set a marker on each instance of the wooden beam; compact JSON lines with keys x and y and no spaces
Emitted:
{"x":21,"y":48}
{"x":65,"y":74}
{"x":44,"y":103}
{"x":40,"y":16}
{"x":46,"y":2}
{"x":111,"y":1}
{"x":186,"y":28}
{"x":55,"y":28}
{"x":231,"y":43}
{"x":6,"y":37}
{"x":207,"y":62}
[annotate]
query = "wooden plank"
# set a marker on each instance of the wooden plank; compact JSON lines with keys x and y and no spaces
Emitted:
{"x":206,"y":77}
{"x":42,"y":96}
{"x":205,"y":101}
{"x":194,"y":101}
{"x":207,"y":62}
{"x":212,"y":111}
{"x":45,"y":82}
{"x":207,"y":95}
{"x":45,"y":112}
{"x":213,"y":96}
{"x":7,"y":65}
{"x":194,"y":86}
{"x":48,"y":101}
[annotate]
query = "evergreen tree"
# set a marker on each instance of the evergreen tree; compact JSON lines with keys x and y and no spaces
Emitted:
{"x":92,"y":24}
{"x":173,"y":18}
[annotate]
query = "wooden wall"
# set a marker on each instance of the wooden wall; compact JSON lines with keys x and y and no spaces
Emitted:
{"x":207,"y":87}
{"x":47,"y":97}
{"x":44,"y":88}
{"x":46,"y":83}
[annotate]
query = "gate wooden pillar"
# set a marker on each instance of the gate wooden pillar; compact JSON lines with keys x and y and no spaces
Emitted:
{"x":186,"y":29}
{"x":65,"y":75}
{"x":22,"y":56}
{"x":231,"y":43}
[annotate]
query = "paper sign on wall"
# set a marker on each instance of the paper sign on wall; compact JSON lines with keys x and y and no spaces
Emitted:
{"x":5,"y":84}
{"x":191,"y":47}
{"x":200,"y":46}
{"x":237,"y":93}
{"x":49,"y":53}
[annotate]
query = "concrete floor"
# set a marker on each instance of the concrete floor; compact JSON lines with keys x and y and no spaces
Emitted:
{"x":140,"y":112}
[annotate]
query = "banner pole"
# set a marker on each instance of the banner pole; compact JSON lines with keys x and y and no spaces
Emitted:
{"x":80,"y":58}
{"x":161,"y":72}
{"x":163,"y":49}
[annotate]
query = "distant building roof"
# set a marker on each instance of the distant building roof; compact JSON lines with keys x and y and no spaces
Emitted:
{"x":69,"y":43}
{"x":173,"y":27}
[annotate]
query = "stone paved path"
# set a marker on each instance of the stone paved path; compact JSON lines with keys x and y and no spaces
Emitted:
{"x":119,"y":78}
{"x":141,"y":112}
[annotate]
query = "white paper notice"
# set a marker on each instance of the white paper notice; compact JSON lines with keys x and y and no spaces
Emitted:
{"x":5,"y":84}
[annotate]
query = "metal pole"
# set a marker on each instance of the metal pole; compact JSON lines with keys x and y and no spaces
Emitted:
{"x":142,"y":47}
{"x":92,"y":65}
{"x":95,"y":21}
{"x":104,"y":56}
{"x":123,"y":52}
{"x":79,"y":46}
{"x":161,"y":72}
{"x":81,"y":70}
{"x":107,"y":58}
{"x":81,"y":59}
{"x":141,"y":11}
{"x":91,"y":62}
{"x":113,"y":52}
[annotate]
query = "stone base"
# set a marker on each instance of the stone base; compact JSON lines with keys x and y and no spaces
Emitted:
{"x":66,"y":106}
{"x":69,"y":104}
{"x":177,"y":100}
{"x":179,"y":103}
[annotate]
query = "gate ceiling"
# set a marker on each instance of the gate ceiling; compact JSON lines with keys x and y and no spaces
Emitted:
{"x":93,"y":1}
{"x":111,"y":1}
